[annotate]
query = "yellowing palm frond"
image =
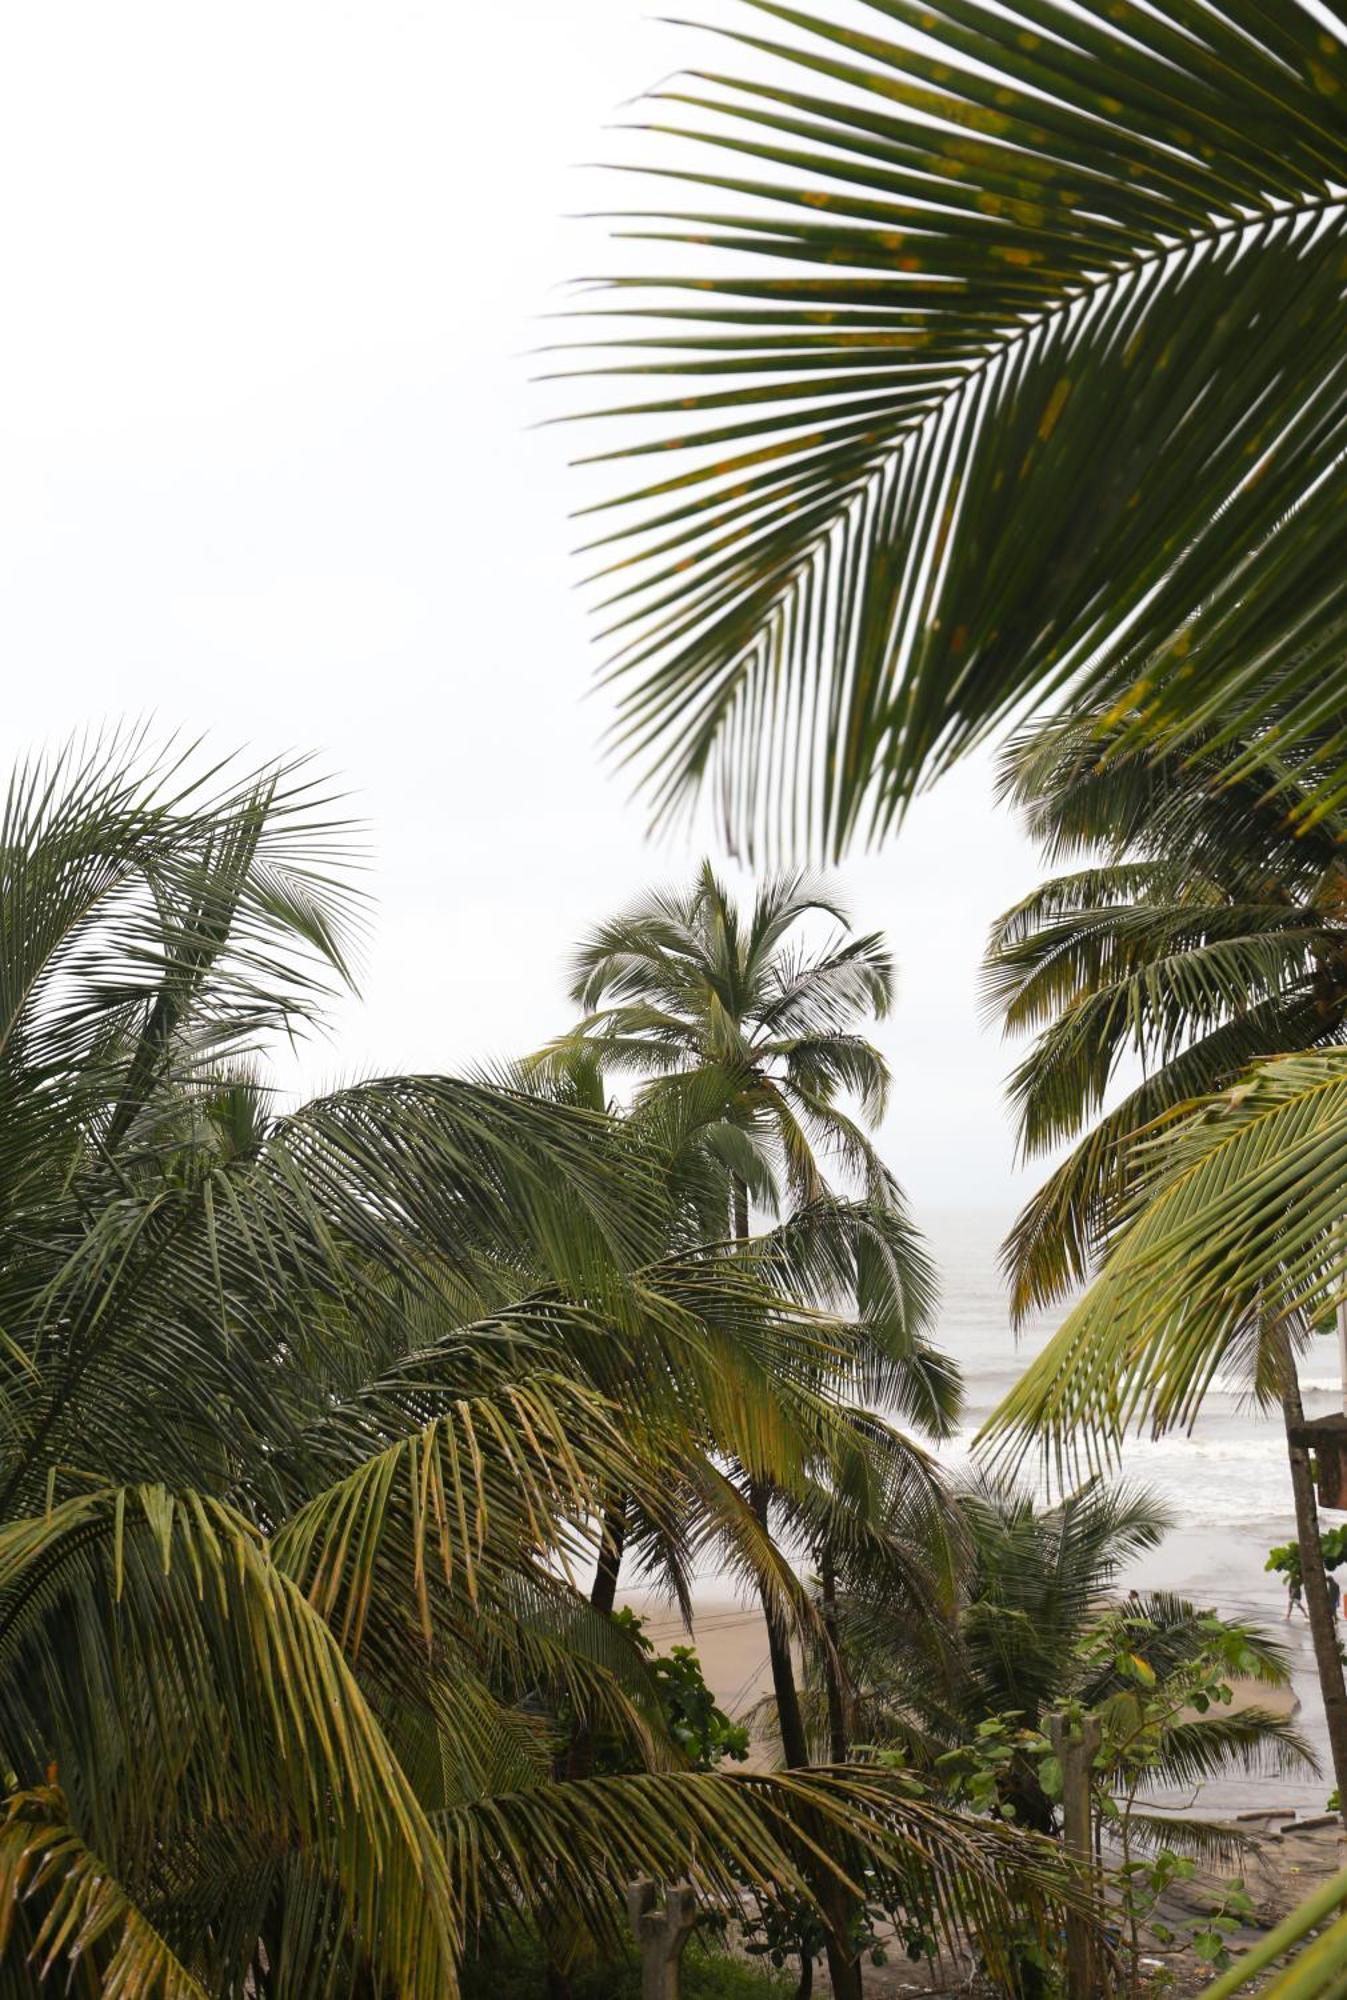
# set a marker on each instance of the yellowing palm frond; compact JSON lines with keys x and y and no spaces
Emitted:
{"x":207,"y":1681}
{"x":83,"y":1920}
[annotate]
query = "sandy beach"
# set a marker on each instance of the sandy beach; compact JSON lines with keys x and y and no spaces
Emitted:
{"x":731,"y":1641}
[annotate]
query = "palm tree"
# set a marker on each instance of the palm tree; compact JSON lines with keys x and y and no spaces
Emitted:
{"x":1205,"y":928}
{"x":304,"y":1421}
{"x":1040,"y":1627}
{"x":746,"y":1040}
{"x":1204,"y":931}
{"x":994,"y":359}
{"x":761,"y":1028}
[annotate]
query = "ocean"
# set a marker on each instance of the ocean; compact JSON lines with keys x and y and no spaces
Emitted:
{"x":1227,"y":1485}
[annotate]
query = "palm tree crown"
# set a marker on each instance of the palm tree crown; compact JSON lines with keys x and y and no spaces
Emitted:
{"x":686,"y":987}
{"x":1207,"y":928}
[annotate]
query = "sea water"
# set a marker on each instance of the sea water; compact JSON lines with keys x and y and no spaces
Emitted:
{"x":1227,"y":1484}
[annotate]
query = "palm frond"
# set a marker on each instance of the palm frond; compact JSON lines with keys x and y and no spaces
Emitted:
{"x":1068,"y":1223}
{"x":205,"y":1677}
{"x":86,"y":1917}
{"x":1075,"y":270}
{"x":573,"y":1847}
{"x":1235,"y":1233}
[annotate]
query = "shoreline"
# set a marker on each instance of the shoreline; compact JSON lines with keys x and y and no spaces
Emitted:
{"x":730,"y":1638}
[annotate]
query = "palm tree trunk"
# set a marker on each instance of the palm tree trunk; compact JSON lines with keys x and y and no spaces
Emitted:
{"x":1314,"y":1582}
{"x":579,"y":1759}
{"x":794,"y":1745}
{"x":832,"y":1666}
{"x":794,"y":1748}
{"x":603,"y":1592}
{"x":844,"y":1969}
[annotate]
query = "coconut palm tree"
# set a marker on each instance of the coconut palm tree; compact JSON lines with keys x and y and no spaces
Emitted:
{"x":745,"y":1040}
{"x":1041,"y":1626}
{"x":1203,"y":932}
{"x":687,"y":988}
{"x":304,"y":1422}
{"x":1205,"y":927}
{"x":983,"y":355}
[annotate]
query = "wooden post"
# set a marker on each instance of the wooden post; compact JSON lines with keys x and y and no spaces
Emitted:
{"x":1075,"y":1749}
{"x":661,"y":1934}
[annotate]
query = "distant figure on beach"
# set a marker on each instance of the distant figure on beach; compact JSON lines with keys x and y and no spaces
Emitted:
{"x":1285,"y":1562}
{"x":1295,"y":1595}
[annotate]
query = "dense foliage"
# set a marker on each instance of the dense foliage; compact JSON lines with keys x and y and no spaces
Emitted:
{"x":308,"y":1420}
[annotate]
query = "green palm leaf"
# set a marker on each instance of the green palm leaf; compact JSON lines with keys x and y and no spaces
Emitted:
{"x":209,"y":1686}
{"x":569,"y":1850}
{"x":1016,"y":371}
{"x":1237,"y":1238}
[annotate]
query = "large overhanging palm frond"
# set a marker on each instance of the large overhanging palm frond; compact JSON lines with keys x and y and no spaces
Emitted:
{"x":207,"y":1691}
{"x":572,"y":1846}
{"x":1233,"y":1245}
{"x":1019,"y":374}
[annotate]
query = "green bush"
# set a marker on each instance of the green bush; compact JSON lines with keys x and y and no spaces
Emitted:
{"x":517,"y":1970}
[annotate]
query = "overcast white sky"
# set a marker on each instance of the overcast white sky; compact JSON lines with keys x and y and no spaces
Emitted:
{"x":272,"y":272}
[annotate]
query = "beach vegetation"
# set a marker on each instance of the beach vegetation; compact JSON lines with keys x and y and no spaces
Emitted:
{"x":1200,"y":930}
{"x":309,"y":1415}
{"x":1041,"y":1629}
{"x":1043,"y":1632}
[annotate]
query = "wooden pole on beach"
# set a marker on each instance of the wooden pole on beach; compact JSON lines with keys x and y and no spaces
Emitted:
{"x":661,"y":1934}
{"x":1075,"y":1743}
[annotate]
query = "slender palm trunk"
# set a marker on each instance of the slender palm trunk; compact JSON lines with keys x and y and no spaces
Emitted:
{"x":844,"y":1969}
{"x":794,"y":1747}
{"x":832,"y":1665}
{"x":603,"y":1592}
{"x":794,"y":1744}
{"x":739,"y":1220}
{"x":578,"y":1761}
{"x":1314,"y":1582}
